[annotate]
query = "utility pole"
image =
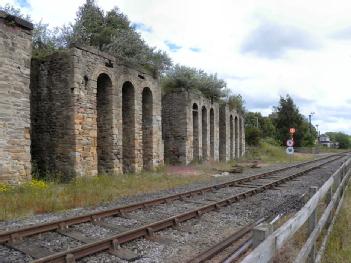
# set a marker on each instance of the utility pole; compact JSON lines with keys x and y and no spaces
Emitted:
{"x":310,"y":121}
{"x":317,"y":151}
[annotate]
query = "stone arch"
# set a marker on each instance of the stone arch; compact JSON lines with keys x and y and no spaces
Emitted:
{"x":204,"y":132}
{"x":231,"y":138}
{"x":212,"y":147}
{"x":195,"y":132}
{"x":104,"y":137}
{"x":128,"y":124}
{"x":147,"y":121}
{"x":236,"y":137}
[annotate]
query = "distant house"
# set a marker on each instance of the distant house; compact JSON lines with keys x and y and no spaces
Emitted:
{"x":325,"y":141}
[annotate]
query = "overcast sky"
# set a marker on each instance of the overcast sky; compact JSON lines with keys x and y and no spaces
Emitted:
{"x":263,"y":48}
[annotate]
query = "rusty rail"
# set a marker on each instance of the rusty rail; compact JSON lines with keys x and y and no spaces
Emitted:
{"x":113,"y":242}
{"x":223,"y":244}
{"x":16,"y":234}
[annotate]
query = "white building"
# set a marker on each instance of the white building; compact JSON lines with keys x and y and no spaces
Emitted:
{"x":325,"y":140}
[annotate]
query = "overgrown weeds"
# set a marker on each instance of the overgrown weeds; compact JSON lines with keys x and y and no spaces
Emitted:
{"x":270,"y":153}
{"x":339,"y":243}
{"x":38,"y":196}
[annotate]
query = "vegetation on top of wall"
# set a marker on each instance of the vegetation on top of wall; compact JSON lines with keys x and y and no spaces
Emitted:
{"x":112,"y":32}
{"x":11,"y":10}
{"x":235,"y":101}
{"x":109,"y":31}
{"x":181,"y":77}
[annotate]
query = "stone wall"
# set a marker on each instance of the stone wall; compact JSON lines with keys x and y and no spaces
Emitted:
{"x":190,"y":127}
{"x":52,"y":126}
{"x":232,"y":141}
{"x":195,"y":129}
{"x":86,"y":113}
{"x":112,"y":113}
{"x":15,"y":54}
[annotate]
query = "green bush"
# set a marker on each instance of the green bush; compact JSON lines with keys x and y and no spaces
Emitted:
{"x":252,"y":136}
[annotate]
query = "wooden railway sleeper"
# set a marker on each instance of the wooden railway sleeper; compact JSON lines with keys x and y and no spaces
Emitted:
{"x":70,"y":258}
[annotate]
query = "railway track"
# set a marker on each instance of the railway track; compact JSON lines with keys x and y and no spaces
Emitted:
{"x":229,"y":249}
{"x":249,"y":186}
{"x":233,"y":247}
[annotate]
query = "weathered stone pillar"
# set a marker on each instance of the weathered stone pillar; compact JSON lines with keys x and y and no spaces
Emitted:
{"x":15,"y":139}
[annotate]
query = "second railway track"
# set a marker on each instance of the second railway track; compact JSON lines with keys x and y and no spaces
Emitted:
{"x":215,"y":199}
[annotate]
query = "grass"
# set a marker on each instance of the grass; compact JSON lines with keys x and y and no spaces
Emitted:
{"x":36,"y":197}
{"x":270,"y":153}
{"x":339,"y":244}
{"x":330,"y":150}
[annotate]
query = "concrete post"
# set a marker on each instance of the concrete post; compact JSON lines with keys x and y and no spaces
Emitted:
{"x":312,"y":222}
{"x":260,"y":233}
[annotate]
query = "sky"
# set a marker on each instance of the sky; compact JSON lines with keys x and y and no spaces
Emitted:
{"x":263,"y":49}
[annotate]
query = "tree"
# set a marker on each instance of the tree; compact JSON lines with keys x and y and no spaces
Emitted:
{"x":46,"y":41}
{"x":181,"y":77}
{"x":11,"y":10}
{"x":265,"y":124}
{"x":342,"y":138}
{"x":110,"y":32}
{"x":113,"y":33}
{"x":287,"y":115}
{"x":88,"y":28}
{"x":268,"y":128}
{"x":236,"y":101}
{"x":253,"y":136}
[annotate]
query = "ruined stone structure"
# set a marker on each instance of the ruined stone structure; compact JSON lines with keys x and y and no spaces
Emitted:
{"x":15,"y":56}
{"x":231,"y":134}
{"x":92,"y":114}
{"x":194,"y":128}
{"x":84,"y":112}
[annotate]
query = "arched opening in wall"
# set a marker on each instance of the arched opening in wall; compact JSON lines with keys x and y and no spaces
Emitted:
{"x":128,"y":123}
{"x":212,"y":133}
{"x":147,"y":128}
{"x":236,"y":137}
{"x":240,"y":137}
{"x":195,"y":132}
{"x":231,"y":137}
{"x":104,"y":123}
{"x":222,"y":134}
{"x":204,"y":133}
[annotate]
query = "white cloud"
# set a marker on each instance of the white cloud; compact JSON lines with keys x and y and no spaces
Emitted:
{"x":219,"y":29}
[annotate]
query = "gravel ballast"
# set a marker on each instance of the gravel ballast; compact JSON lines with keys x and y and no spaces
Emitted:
{"x":180,"y":243}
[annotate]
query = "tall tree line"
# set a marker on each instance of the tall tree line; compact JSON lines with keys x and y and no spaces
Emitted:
{"x":276,"y":127}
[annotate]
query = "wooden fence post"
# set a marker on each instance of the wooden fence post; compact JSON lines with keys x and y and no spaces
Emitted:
{"x":312,"y":222}
{"x":328,"y":198}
